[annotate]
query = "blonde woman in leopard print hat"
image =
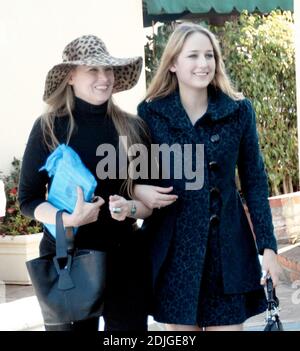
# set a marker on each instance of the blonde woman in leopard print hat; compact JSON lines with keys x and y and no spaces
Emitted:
{"x":81,"y":113}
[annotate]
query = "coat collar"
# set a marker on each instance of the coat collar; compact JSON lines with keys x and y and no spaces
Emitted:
{"x":220,"y":106}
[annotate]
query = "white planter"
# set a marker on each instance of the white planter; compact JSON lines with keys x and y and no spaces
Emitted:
{"x":14,"y":252}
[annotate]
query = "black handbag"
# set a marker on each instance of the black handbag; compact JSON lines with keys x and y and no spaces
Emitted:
{"x":273,"y":322}
{"x":69,"y":285}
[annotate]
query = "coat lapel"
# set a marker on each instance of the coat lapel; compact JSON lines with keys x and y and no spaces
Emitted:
{"x":170,"y":108}
{"x":220,"y":105}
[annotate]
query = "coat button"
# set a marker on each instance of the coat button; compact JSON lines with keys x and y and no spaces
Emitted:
{"x":215,"y":138}
{"x":214,"y":191}
{"x":213,"y":166}
{"x":214,"y":219}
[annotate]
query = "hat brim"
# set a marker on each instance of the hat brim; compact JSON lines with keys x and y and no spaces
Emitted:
{"x":126,"y":72}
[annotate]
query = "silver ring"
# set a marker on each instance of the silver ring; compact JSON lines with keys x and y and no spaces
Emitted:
{"x":116,"y":209}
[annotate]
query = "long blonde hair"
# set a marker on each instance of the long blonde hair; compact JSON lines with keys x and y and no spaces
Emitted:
{"x":62,"y":102}
{"x":165,"y":82}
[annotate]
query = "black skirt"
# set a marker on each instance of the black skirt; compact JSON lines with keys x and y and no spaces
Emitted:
{"x":216,"y":308}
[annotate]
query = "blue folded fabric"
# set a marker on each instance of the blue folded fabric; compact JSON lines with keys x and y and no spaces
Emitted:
{"x":68,"y":172}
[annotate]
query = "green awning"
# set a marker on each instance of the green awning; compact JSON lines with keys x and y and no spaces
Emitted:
{"x":160,"y":7}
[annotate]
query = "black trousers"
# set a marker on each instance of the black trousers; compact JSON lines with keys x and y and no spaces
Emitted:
{"x":127,"y":288}
{"x":118,"y":324}
{"x":87,"y":325}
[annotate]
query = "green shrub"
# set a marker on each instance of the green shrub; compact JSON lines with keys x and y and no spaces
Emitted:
{"x":259,"y":55}
{"x":154,"y":49}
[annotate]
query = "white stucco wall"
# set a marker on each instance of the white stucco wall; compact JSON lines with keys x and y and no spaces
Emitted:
{"x":33,"y":34}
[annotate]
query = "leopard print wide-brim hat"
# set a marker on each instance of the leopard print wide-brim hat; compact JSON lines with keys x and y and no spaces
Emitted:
{"x":91,"y":51}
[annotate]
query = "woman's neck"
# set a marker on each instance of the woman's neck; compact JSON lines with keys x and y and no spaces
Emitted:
{"x":86,"y":109}
{"x":194,"y":102}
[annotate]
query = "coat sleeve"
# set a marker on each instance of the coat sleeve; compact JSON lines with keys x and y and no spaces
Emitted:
{"x":254,"y":182}
{"x":143,"y":112}
{"x":32,"y":185}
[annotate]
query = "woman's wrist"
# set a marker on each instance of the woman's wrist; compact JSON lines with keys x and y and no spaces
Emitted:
{"x":68,"y":220}
{"x":131,"y":209}
{"x":269,"y":251}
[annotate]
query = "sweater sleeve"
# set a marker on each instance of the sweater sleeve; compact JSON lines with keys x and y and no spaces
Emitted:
{"x":153,"y":167}
{"x":33,"y":184}
{"x":254,"y":182}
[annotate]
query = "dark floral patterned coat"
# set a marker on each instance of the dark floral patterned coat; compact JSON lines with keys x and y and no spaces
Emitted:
{"x":178,"y":233}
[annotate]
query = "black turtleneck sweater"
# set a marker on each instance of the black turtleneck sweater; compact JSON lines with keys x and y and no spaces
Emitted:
{"x":93,"y":128}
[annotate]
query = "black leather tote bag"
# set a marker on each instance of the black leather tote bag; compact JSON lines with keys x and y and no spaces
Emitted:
{"x":69,"y":285}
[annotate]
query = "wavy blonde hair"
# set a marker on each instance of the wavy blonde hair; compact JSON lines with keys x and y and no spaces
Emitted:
{"x":62,"y":102}
{"x":165,"y":82}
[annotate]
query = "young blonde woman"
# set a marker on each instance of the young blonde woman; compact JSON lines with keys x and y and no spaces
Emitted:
{"x":81,"y":113}
{"x":205,"y":266}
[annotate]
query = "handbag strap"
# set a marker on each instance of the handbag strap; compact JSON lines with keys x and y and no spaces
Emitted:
{"x":65,"y":281}
{"x":61,"y":242}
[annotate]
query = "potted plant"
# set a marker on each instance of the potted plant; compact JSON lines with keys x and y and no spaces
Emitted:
{"x":19,"y":236}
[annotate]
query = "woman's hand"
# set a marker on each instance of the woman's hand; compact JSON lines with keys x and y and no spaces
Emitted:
{"x":84,"y":212}
{"x":270,"y":266}
{"x":121,"y":205}
{"x":154,"y":196}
